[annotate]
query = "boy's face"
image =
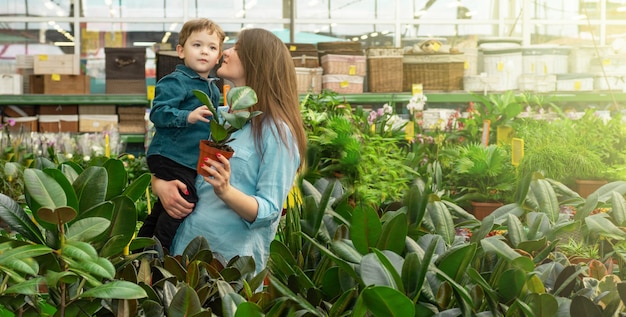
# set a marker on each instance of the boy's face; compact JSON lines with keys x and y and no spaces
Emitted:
{"x":201,"y":52}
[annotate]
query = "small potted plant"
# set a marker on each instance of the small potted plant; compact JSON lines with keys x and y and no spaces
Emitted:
{"x":224,"y":123}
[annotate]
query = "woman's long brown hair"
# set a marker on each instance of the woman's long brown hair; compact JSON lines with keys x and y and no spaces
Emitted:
{"x":270,"y":71}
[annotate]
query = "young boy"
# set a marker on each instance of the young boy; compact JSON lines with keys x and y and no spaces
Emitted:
{"x":180,"y":119}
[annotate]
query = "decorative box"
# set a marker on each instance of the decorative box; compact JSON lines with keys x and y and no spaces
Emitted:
{"x":435,"y":71}
{"x":67,"y":64}
{"x":58,"y":123}
{"x":353,"y":65}
{"x":309,"y":80}
{"x":574,"y":82}
{"x":537,"y":83}
{"x":304,"y":55}
{"x":126,"y":86}
{"x":166,"y":62}
{"x":125,"y":63}
{"x":22,"y":124}
{"x":60,"y":84}
{"x":58,"y":109}
{"x":96,"y":123}
{"x":384,"y":69}
{"x":343,"y":83}
{"x":11,"y":84}
{"x":97,"y":109}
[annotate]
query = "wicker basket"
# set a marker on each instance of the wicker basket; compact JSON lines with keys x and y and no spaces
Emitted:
{"x":343,"y":84}
{"x":309,"y":80}
{"x":340,"y":48}
{"x":352,"y":65}
{"x":304,"y":55}
{"x":439,"y":71}
{"x":384,"y":69}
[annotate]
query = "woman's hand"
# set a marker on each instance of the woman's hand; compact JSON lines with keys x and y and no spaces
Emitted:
{"x":219,"y":174}
{"x":168,"y":191}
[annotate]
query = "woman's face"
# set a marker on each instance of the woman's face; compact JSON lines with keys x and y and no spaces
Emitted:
{"x":231,"y":68}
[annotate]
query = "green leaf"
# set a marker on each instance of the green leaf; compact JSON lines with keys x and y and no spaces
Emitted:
{"x":28,"y":287}
{"x":91,"y":187}
{"x":116,"y":290}
{"x":241,"y":97}
{"x":543,"y":304}
{"x":117,"y":177}
{"x":56,"y":216}
{"x":444,"y":225}
{"x":582,"y":306}
{"x":394,"y":234}
{"x":546,"y":198}
{"x":456,"y":261}
{"x":496,"y":245}
{"x":377,"y":269}
{"x":365,"y":228}
{"x":618,"y":208}
{"x":516,"y":231}
{"x":100,"y":267}
{"x":42,"y":190}
{"x":87,"y":229}
{"x":218,"y":133}
{"x":600,"y":224}
{"x":295,"y":298}
{"x":511,"y":283}
{"x":386,"y":301}
{"x":19,"y":258}
{"x":248,"y":309}
{"x":138,"y":187}
{"x":78,"y":250}
{"x":18,"y":220}
{"x":204,"y":98}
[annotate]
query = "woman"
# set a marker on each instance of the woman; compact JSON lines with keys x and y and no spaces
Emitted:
{"x":241,"y":200}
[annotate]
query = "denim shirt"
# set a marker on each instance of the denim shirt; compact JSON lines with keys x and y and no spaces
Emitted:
{"x":176,"y":138}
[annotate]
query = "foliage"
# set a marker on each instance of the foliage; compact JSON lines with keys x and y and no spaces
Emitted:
{"x":224,"y":123}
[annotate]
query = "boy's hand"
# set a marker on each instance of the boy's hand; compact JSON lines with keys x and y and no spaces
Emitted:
{"x":199,"y":114}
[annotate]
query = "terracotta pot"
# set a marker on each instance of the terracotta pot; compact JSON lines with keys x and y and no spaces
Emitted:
{"x":584,"y":187}
{"x":482,"y":209}
{"x":207,"y":150}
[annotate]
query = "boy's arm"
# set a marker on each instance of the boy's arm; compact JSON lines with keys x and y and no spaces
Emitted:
{"x":169,"y":95}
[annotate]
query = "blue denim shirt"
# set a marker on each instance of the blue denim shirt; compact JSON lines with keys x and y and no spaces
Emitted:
{"x":175,"y":138}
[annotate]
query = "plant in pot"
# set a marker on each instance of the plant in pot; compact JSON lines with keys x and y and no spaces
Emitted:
{"x":483,"y":174}
{"x":224,"y":123}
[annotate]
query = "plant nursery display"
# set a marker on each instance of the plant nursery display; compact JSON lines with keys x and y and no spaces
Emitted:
{"x":382,"y":225}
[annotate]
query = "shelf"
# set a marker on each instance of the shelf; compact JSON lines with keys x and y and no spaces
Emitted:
{"x":98,"y":99}
{"x":363,"y":98}
{"x":133,"y":138}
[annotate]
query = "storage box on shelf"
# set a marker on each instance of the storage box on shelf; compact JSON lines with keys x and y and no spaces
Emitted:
{"x":435,"y":71}
{"x":384,"y":69}
{"x":580,"y":57}
{"x":96,"y":122}
{"x":574,"y":82}
{"x":309,"y":80}
{"x":67,"y":64}
{"x":504,"y":63}
{"x":166,"y":62}
{"x":58,"y":123}
{"x":54,"y":84}
{"x":11,"y":84}
{"x":353,"y":65}
{"x":609,"y":82}
{"x":58,"y":110}
{"x":339,"y":48}
{"x":125,"y":62}
{"x":480,"y":83}
{"x":22,"y":124}
{"x":470,"y":63}
{"x":545,"y":59}
{"x":345,"y":84}
{"x":18,"y":111}
{"x":131,"y":119}
{"x":304,"y":55}
{"x":97,"y":109}
{"x":126,"y":86}
{"x":537,"y":83}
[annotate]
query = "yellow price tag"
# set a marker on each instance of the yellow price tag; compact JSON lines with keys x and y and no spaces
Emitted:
{"x":466,"y":65}
{"x":545,"y":69}
{"x":150,"y":92}
{"x":500,"y":66}
{"x":417,"y":89}
{"x":352,"y":70}
{"x":344,"y":84}
{"x":436,"y":46}
{"x":43,"y":57}
{"x":606,"y":62}
{"x":532,"y":68}
{"x":409,"y":131}
{"x":577,"y":85}
{"x":55,"y":77}
{"x":292,"y":48}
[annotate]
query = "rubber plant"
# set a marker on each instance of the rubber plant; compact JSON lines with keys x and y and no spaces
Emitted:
{"x":63,"y":254}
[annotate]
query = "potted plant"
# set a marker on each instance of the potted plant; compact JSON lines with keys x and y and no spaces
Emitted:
{"x":483,"y":174}
{"x":224,"y":123}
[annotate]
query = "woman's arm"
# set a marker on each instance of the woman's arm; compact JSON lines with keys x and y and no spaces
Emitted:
{"x":168,"y":192}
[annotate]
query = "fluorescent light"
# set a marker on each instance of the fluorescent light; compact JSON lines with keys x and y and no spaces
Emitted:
{"x":143,"y":43}
{"x":63,"y":43}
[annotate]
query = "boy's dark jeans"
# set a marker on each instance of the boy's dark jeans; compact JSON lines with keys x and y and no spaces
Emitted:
{"x":159,"y":223}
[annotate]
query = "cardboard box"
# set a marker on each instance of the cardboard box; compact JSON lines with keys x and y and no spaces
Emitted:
{"x":58,"y":123}
{"x":96,"y":123}
{"x":126,"y":86}
{"x":59,"y":84}
{"x":11,"y":84}
{"x":58,"y":109}
{"x":125,"y":62}
{"x":97,"y":109}
{"x":67,"y":64}
{"x":22,"y":124}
